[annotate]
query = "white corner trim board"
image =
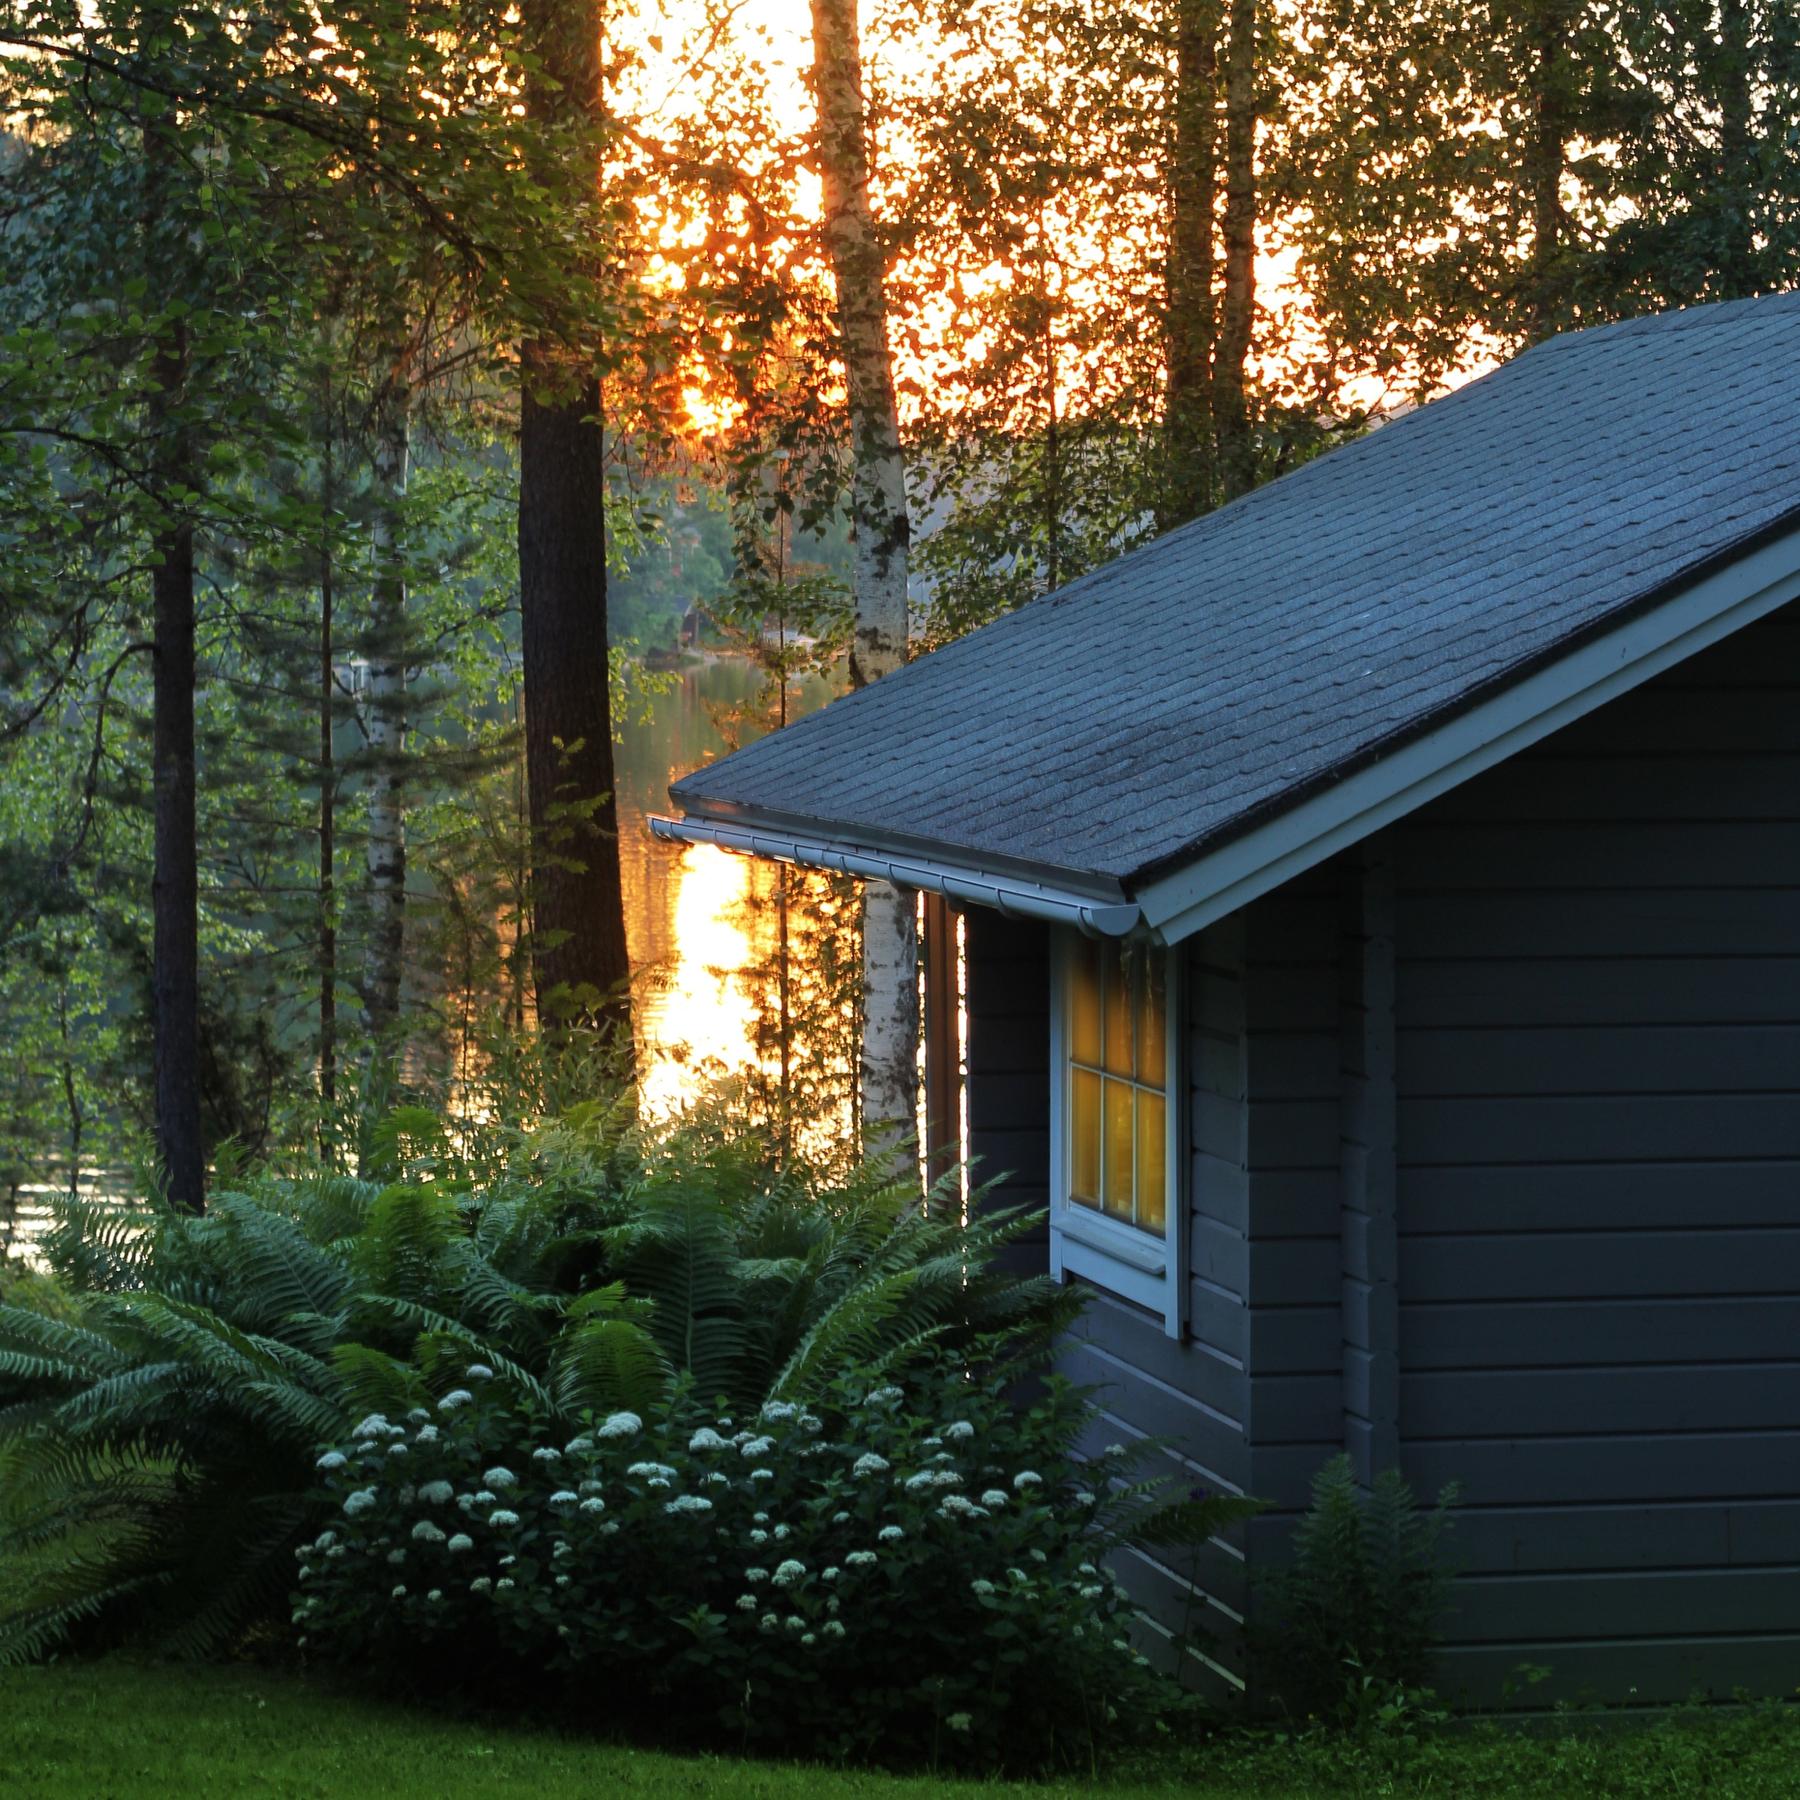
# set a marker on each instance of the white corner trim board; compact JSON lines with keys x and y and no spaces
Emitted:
{"x":1210,"y":887}
{"x":972,"y":886}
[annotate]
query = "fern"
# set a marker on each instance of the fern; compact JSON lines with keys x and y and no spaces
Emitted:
{"x":157,"y":1437}
{"x":608,"y":1365}
{"x":1360,"y":1599}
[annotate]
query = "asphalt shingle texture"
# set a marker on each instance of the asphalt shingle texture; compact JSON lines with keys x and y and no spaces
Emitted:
{"x":1168,"y":701}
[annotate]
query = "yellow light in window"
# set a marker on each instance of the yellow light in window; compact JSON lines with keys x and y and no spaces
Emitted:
{"x":1084,"y":1004}
{"x":1116,"y":1155}
{"x":1118,"y":1015}
{"x":1152,"y":1156}
{"x":1084,"y":1138}
{"x":1152,"y":1021}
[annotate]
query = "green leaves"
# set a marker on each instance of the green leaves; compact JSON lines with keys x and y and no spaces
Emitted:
{"x":607,"y":1365}
{"x":593,"y":1268}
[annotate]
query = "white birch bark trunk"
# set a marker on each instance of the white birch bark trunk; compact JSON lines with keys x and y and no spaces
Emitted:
{"x":384,"y":714}
{"x":888,"y":1067}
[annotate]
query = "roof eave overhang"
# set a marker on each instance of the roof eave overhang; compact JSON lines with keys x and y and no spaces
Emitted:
{"x":1217,"y":881}
{"x":1095,"y":911}
{"x":1220,"y":878}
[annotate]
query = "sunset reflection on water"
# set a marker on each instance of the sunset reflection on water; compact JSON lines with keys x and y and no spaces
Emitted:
{"x":694,"y":932}
{"x":693,"y":1012}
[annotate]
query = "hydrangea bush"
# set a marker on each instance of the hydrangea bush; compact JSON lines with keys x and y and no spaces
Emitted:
{"x":883,"y":1572}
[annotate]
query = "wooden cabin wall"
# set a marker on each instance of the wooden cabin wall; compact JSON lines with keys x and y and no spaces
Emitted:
{"x":1250,"y":1399}
{"x":1495,"y":1174}
{"x":1598,"y":1134}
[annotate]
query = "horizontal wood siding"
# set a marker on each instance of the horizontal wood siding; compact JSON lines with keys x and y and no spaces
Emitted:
{"x":1190,"y":1394}
{"x":1597,"y":992}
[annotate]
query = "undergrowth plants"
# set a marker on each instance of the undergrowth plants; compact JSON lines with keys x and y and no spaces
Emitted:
{"x":156,"y":1451}
{"x":1351,"y":1622}
{"x":879,"y":1570}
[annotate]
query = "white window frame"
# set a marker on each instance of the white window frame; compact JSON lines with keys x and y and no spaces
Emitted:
{"x":1121,"y":1259}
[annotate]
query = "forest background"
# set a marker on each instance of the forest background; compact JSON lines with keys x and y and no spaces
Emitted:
{"x":383,"y":386}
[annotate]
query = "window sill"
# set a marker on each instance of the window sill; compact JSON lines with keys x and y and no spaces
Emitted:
{"x":1119,"y":1261}
{"x":1148,"y":1255}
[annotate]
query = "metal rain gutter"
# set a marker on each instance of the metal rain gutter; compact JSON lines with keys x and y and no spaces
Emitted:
{"x":1015,"y":899}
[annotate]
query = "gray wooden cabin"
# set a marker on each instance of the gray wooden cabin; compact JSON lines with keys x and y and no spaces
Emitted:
{"x":1415,"y":846}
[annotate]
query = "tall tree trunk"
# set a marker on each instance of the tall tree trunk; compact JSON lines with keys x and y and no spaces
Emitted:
{"x":175,"y":884}
{"x":1545,"y":155}
{"x":385,"y":715}
{"x":1053,"y":472}
{"x":579,"y":959}
{"x":579,"y":963}
{"x":327,"y":824}
{"x":1192,"y":327}
{"x":1739,"y":179}
{"x":175,"y":881}
{"x":71,"y":1094}
{"x":1237,"y":465}
{"x":887,"y":1062}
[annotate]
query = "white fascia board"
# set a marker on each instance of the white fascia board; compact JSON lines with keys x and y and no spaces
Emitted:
{"x":1214,"y":885}
{"x":972,"y":886}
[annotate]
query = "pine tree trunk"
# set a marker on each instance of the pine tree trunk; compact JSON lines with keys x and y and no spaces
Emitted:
{"x":887,"y":1062}
{"x":175,"y":880}
{"x":580,"y":968}
{"x":385,"y":715}
{"x":579,"y":960}
{"x":1190,"y":480}
{"x":1237,"y":466}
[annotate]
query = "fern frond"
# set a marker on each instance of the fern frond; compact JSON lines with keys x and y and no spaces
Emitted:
{"x":608,"y":1364}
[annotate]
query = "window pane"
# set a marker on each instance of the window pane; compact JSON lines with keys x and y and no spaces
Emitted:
{"x":1117,"y":1155}
{"x":1084,"y":1004}
{"x":1084,"y":1138}
{"x":1118,"y":1013}
{"x":1152,"y":1020}
{"x":1152,"y":1149}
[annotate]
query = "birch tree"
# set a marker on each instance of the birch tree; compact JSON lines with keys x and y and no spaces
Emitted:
{"x":175,"y":876}
{"x":1237,"y":309}
{"x":890,"y":1010}
{"x":384,"y":710}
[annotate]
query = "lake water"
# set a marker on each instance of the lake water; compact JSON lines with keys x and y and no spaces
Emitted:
{"x":698,"y":921}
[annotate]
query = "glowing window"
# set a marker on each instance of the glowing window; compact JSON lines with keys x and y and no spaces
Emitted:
{"x":1118,"y":1098}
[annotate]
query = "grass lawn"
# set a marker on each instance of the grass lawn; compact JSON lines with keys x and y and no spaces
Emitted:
{"x":93,"y":1732}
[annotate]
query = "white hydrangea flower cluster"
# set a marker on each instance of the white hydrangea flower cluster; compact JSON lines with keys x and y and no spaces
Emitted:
{"x":888,"y":1489}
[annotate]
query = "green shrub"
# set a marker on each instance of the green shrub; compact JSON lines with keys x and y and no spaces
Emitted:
{"x":1350,"y":1622}
{"x":156,"y":1457}
{"x":875,"y":1572}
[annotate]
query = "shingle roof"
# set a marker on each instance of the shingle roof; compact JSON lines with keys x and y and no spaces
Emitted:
{"x":1166,"y":702}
